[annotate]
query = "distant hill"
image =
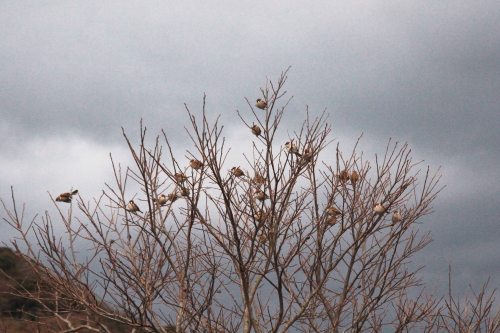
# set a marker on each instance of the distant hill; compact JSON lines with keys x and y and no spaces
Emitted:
{"x":20,"y":315}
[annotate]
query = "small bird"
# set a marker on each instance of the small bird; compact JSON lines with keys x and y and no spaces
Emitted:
{"x":162,"y":199}
{"x":379,"y":209}
{"x":259,"y":179}
{"x":292,"y":149}
{"x":184,"y":192}
{"x":344,"y":176}
{"x":333,"y":211}
{"x":354,"y":177}
{"x":396,"y":217}
{"x":331,"y":220}
{"x":307,"y":155}
{"x":172,"y":197}
{"x":66,"y":197}
{"x":261,"y":104}
{"x":195,"y":164}
{"x":255,"y":130}
{"x":180,"y":177}
{"x":132,"y":207}
{"x":263,"y":238}
{"x":260,"y":195}
{"x":237,"y":172}
{"x":260,"y":216}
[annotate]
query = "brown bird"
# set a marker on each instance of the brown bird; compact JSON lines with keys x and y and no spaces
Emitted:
{"x":237,"y":172}
{"x":259,"y":179}
{"x":260,"y":195}
{"x":162,"y":199}
{"x":292,"y":149}
{"x":379,"y":209}
{"x":261,"y":104}
{"x":354,"y":177}
{"x":344,"y":176}
{"x":396,"y":217}
{"x":172,"y":197}
{"x":180,"y":177}
{"x":195,"y":164}
{"x":256,"y":130}
{"x":333,"y":211}
{"x":260,"y":216}
{"x":66,"y":197}
{"x":184,"y":192}
{"x":263,"y":238}
{"x":331,"y":220}
{"x":132,"y":207}
{"x":307,"y":155}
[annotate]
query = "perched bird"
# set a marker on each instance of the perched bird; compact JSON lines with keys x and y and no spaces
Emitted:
{"x":331,"y":220}
{"x":172,"y":197}
{"x":354,"y":177}
{"x":396,"y":217}
{"x":132,"y":207}
{"x":259,"y":179}
{"x":261,"y":104}
{"x":256,"y":130}
{"x":162,"y":199}
{"x":344,"y":176}
{"x":292,"y":149}
{"x":237,"y":172}
{"x":66,"y":197}
{"x":379,"y":209}
{"x":333,"y":211}
{"x":260,"y":216}
{"x":184,"y":192}
{"x":263,"y":238}
{"x":260,"y":195}
{"x":307,"y":155}
{"x":180,"y":177}
{"x":195,"y":164}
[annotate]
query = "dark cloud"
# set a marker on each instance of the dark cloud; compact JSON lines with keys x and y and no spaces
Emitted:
{"x":424,"y":72}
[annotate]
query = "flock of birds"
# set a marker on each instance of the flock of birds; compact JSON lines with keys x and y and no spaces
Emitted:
{"x":258,"y":180}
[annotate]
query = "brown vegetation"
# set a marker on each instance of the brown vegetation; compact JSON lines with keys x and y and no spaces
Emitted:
{"x":223,"y":259}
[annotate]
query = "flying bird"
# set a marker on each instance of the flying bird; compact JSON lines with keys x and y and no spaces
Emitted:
{"x":261,"y":104}
{"x":195,"y":164}
{"x":396,"y":217}
{"x":66,"y":197}
{"x":256,"y":130}
{"x":292,"y":149}
{"x":379,"y":209}
{"x":132,"y":207}
{"x":237,"y":172}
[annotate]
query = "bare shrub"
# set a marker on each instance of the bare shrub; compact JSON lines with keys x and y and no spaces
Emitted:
{"x":282,"y":242}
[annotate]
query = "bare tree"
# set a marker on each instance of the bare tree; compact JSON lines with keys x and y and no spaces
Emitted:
{"x":282,"y":242}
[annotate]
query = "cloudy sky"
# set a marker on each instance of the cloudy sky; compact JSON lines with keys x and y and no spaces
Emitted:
{"x":423,"y":72}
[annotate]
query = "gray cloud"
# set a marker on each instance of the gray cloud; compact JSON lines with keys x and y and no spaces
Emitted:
{"x":427,"y":73}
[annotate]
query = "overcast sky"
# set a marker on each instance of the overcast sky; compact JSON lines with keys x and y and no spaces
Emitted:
{"x":422,"y":72}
